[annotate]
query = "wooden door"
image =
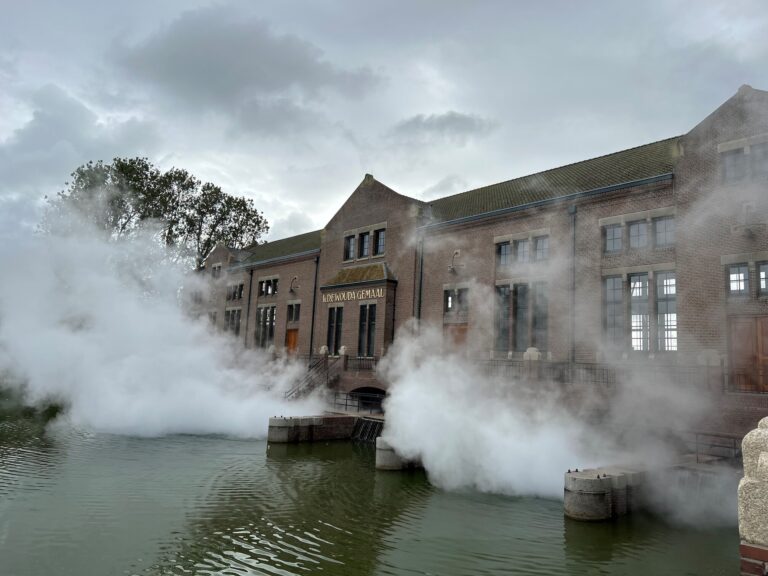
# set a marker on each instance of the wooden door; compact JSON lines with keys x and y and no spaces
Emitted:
{"x":749,"y":353}
{"x":762,"y":352}
{"x":292,"y":340}
{"x":455,"y":336}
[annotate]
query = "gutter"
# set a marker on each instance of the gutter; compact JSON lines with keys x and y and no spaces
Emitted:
{"x":361,"y":283}
{"x":274,"y":260}
{"x":548,"y":201}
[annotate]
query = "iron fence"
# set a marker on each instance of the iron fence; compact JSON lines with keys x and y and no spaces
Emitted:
{"x":363,"y":402}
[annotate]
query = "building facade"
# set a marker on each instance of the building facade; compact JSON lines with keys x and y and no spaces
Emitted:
{"x":657,"y":254}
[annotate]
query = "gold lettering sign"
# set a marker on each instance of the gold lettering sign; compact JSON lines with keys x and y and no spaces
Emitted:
{"x":347,"y":295}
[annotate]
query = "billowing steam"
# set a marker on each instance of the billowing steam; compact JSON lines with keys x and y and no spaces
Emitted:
{"x":97,"y":326}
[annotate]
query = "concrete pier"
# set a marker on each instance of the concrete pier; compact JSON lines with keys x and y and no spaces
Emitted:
{"x":601,"y":493}
{"x":387,"y":458}
{"x":310,"y":428}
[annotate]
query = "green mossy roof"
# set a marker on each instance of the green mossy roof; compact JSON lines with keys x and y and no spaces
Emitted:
{"x":356,"y":274}
{"x":626,"y":166}
{"x":284,"y":247}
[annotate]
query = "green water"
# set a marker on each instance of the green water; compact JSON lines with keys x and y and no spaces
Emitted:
{"x":75,"y":503}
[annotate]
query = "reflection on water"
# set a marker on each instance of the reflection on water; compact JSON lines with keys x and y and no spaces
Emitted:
{"x":73,"y":503}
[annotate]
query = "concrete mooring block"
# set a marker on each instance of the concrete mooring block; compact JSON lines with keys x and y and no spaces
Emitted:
{"x":387,"y":458}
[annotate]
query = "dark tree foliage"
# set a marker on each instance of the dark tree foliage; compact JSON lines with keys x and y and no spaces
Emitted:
{"x":130,"y":195}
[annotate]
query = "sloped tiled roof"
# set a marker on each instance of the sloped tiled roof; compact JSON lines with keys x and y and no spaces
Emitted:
{"x":356,"y":274}
{"x":629,"y":165}
{"x":285,"y":247}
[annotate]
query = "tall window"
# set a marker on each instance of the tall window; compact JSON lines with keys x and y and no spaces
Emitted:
{"x":216,"y":271}
{"x":540,"y":315}
{"x":456,"y":302}
{"x":366,"y":335}
{"x":613,"y":313}
{"x":664,"y":229}
{"x":763,"y":272}
{"x":734,"y":165}
{"x":335,"y":321}
{"x":613,"y":237}
{"x":738,"y":280}
{"x":364,"y":247}
{"x":522,"y":253}
{"x":265,"y":326}
{"x":268,"y":287}
{"x":502,"y":318}
{"x":759,"y":155}
{"x":379,"y":241}
{"x":503,"y":254}
{"x":232,"y":321}
{"x":541,"y":248}
{"x":349,"y":247}
{"x":293,"y":312}
{"x":639,"y":316}
{"x":638,"y":234}
{"x":666,"y":310}
{"x":520,"y":314}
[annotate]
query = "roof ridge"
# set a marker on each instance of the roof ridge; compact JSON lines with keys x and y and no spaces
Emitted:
{"x":548,"y":170}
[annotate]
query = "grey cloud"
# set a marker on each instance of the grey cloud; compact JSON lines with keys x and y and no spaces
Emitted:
{"x":276,"y":117}
{"x":213,"y":59}
{"x":445,"y":187}
{"x":450,"y":127}
{"x":293,"y":223}
{"x":62,"y":134}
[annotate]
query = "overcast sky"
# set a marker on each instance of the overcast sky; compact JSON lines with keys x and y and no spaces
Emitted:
{"x":291,"y":103}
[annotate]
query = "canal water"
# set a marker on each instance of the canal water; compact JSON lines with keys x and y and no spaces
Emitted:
{"x":80,"y":504}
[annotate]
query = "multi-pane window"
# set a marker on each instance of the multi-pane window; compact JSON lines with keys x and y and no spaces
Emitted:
{"x":763,"y":273}
{"x":613,"y":238}
{"x":349,"y":247}
{"x":232,"y":321}
{"x":503,"y":254}
{"x":540,"y":315}
{"x":216,"y":271}
{"x":522,"y":254}
{"x":759,"y":155}
{"x":502,"y":318}
{"x":734,"y":165}
{"x":268,"y":287}
{"x":293,"y":312}
{"x":335,"y":321}
{"x":541,"y":248}
{"x":379,"y":241}
{"x":366,"y":335}
{"x":364,"y":247}
{"x":638,"y":234}
{"x":235,"y":292}
{"x":664,"y":229}
{"x":266,"y":317}
{"x":456,"y":301}
{"x":738,"y":280}
{"x":212,"y":317}
{"x":666,"y":312}
{"x":520,"y":317}
{"x":613,"y":314}
{"x":640,"y":329}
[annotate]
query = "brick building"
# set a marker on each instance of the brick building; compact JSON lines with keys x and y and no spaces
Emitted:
{"x":657,"y":255}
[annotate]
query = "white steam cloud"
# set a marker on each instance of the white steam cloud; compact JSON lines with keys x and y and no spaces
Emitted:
{"x":98,"y":326}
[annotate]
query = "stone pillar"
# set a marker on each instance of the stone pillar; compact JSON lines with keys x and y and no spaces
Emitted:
{"x":387,"y":458}
{"x":753,"y":502}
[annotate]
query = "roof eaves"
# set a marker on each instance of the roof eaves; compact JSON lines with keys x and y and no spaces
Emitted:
{"x":553,"y":200}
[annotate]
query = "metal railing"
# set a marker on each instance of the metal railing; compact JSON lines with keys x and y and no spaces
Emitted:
{"x":359,"y":402}
{"x":711,"y":378}
{"x":323,"y":371}
{"x":362,"y":363}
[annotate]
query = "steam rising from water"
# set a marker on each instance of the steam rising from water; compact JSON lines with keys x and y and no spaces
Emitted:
{"x":472,"y":430}
{"x":98,"y":326}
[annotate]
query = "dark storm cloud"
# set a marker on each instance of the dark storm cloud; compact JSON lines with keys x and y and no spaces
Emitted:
{"x":62,"y":134}
{"x":450,"y":127}
{"x":214,"y":59}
